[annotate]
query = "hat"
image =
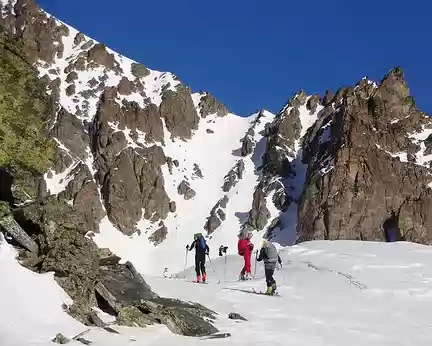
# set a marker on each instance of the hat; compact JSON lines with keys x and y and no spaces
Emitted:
{"x":265,"y":243}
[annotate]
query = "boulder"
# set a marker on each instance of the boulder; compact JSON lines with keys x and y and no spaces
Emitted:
{"x":247,"y":146}
{"x":59,"y":231}
{"x":185,"y":190}
{"x":139,"y":70}
{"x":236,"y":316}
{"x":233,"y":176}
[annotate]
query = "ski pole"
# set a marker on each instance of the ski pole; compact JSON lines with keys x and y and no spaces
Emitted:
{"x":225,"y":266}
{"x":256,"y":261}
{"x":214,"y":270}
{"x":187,"y":251}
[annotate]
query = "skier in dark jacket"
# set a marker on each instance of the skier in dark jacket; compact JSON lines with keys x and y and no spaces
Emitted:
{"x":270,"y":256}
{"x":201,"y":250}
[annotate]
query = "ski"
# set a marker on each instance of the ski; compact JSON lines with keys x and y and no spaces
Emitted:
{"x":197,"y":282}
{"x":217,"y":336}
{"x":253,"y":291}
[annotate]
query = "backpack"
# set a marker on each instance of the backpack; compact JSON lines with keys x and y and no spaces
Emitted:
{"x":202,"y":242}
{"x":272,"y":254}
{"x":242,"y":243}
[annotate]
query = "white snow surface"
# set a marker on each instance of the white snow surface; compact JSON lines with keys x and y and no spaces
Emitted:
{"x":330,"y":293}
{"x":215,"y":154}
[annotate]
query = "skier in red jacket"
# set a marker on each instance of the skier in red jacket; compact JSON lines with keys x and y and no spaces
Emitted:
{"x":245,"y":248}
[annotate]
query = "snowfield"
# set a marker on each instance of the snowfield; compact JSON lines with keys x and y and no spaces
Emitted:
{"x":213,"y":153}
{"x":331,"y":293}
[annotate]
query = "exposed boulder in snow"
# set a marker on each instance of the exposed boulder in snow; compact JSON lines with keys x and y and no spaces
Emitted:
{"x":212,"y":223}
{"x":197,"y":171}
{"x":181,"y":318}
{"x":236,"y":316}
{"x":217,"y":215}
{"x":71,"y":77}
{"x":98,"y":55}
{"x":139,"y":70}
{"x":233,"y":176}
{"x":247,"y":145}
{"x":159,"y":235}
{"x":125,"y":86}
{"x":60,"y":339}
{"x":127,"y":295}
{"x":185,"y":190}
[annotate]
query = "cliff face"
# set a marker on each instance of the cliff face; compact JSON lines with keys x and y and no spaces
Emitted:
{"x":366,"y":155}
{"x":374,"y":158}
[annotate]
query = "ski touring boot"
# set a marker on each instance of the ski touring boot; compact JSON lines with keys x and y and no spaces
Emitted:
{"x":198,"y":280}
{"x":242,"y":276}
{"x":204,"y":278}
{"x":271,"y":290}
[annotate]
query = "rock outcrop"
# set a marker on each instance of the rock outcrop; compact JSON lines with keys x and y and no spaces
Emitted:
{"x":233,"y":176}
{"x":365,"y":159}
{"x":217,"y":215}
{"x":178,"y":111}
{"x":209,"y":105}
{"x":94,"y":277}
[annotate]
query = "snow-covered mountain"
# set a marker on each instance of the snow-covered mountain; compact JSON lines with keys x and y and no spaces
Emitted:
{"x":103,"y":159}
{"x":148,"y":162}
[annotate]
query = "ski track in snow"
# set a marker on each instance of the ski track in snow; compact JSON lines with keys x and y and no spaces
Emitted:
{"x":330,"y":292}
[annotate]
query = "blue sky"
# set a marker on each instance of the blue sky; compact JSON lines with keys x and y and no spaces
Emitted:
{"x":254,"y":54}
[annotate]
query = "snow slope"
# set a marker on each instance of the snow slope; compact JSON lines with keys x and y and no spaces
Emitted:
{"x":331,"y":293}
{"x":214,"y":155}
{"x":30,"y":304}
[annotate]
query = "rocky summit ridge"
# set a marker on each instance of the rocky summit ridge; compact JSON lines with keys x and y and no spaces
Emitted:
{"x":145,"y":162}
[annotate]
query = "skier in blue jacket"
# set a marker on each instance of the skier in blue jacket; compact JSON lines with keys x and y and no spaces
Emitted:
{"x":201,"y":250}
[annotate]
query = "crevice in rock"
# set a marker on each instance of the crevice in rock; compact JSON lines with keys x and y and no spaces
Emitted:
{"x":104,"y":305}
